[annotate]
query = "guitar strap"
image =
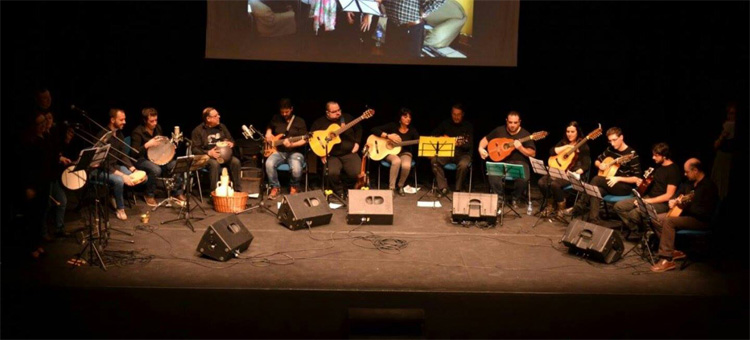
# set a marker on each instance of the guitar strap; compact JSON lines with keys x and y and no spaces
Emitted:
{"x":288,"y":126}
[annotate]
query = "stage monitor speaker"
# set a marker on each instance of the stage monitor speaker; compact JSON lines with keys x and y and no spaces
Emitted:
{"x":473,"y":207}
{"x":225,"y":239}
{"x":599,"y":243}
{"x":304,"y":208}
{"x":370,"y":207}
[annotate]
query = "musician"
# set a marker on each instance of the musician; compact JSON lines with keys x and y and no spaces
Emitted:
{"x":696,"y":214}
{"x":513,"y":130}
{"x":666,"y":178}
{"x":59,"y":138}
{"x":204,"y":138}
{"x":342,"y":156}
{"x":580,"y":166}
{"x":120,"y":166}
{"x":35,"y":184}
{"x":454,"y":127}
{"x":620,"y":184}
{"x":289,"y":125}
{"x":401,"y":163}
{"x":142,"y":139}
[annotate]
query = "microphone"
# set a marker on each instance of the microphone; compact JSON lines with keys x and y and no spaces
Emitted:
{"x":176,"y":135}
{"x":75,"y":108}
{"x":246,"y":132}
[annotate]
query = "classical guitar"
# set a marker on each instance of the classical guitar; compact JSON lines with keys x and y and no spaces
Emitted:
{"x":270,"y":145}
{"x":614,"y":164}
{"x":362,"y":178}
{"x":680,"y":203}
{"x":564,"y":160}
{"x":380,"y":147}
{"x":323,"y":140}
{"x":499,"y":148}
{"x":648,"y":177}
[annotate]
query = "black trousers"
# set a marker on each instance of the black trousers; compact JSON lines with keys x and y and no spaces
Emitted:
{"x":350,"y":163}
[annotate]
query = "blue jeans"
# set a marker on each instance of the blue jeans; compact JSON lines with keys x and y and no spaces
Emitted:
{"x":295,"y":161}
{"x":117,"y":184}
{"x":153,"y":171}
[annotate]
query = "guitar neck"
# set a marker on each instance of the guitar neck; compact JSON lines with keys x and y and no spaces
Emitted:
{"x":349,"y":125}
{"x":577,"y":146}
{"x":407,"y":143}
{"x":291,"y":140}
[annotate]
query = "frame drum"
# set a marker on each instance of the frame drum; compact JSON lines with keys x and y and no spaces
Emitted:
{"x":73,"y":180}
{"x":162,"y":152}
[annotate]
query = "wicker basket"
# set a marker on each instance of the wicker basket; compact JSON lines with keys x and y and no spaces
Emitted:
{"x":229,"y":204}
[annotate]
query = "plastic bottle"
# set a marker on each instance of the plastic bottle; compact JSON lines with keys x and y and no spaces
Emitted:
{"x":528,"y":210}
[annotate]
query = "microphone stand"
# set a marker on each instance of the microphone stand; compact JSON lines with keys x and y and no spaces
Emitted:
{"x":83,"y":113}
{"x":325,"y":177}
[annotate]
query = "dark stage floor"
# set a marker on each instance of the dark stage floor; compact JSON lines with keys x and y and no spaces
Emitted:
{"x":446,"y":280}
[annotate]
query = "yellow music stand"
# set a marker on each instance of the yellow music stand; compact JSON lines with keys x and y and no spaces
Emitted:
{"x":436,"y":146}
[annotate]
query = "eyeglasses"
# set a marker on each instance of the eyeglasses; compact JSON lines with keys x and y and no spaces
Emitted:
{"x":339,"y":110}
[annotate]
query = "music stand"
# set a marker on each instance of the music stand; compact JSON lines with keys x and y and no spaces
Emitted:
{"x":503,"y":170}
{"x":360,"y":6}
{"x":185,"y":210}
{"x":436,"y":147}
{"x":649,"y":211}
{"x":88,"y":160}
{"x":181,"y":166}
{"x":540,"y":169}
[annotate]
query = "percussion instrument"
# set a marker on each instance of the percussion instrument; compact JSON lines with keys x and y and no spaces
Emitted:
{"x":199,"y":162}
{"x":138,"y":177}
{"x":163,"y":152}
{"x":225,"y":152}
{"x":73,"y":180}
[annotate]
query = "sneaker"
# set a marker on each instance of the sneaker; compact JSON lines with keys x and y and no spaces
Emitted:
{"x":678,"y":255}
{"x":150,"y":201}
{"x":293,"y":190}
{"x":121,"y":214}
{"x":274,"y":193}
{"x":663,"y":265}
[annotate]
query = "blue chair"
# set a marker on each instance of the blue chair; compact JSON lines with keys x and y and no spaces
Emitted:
{"x":286,"y":168}
{"x":387,"y":164}
{"x":454,"y":167}
{"x":704,"y":235}
{"x":612,"y":199}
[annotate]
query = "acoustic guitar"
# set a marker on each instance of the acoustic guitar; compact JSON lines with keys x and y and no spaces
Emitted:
{"x":614,"y":164}
{"x":648,"y":177}
{"x":380,"y":147}
{"x":270,"y":145}
{"x":564,"y":160}
{"x":499,"y":148}
{"x":323,"y":140}
{"x":680,"y":203}
{"x":362,"y":178}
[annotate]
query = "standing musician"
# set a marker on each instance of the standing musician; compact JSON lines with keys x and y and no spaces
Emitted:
{"x":142,"y":139}
{"x":624,"y":180}
{"x":582,"y":163}
{"x":342,"y":155}
{"x":284,"y":125}
{"x":205,"y":138}
{"x":666,"y":178}
{"x":464,"y":131}
{"x":401,"y":163}
{"x":513,"y":130}
{"x":696,"y":214}
{"x":120,"y":167}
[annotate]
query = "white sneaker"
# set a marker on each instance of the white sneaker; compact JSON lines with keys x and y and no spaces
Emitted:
{"x":121,"y":214}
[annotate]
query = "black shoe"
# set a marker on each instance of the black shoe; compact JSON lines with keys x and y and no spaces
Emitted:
{"x":400,"y":191}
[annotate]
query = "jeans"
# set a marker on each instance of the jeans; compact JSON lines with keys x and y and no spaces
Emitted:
{"x":57,"y":192}
{"x":153,"y":171}
{"x":296,"y":162}
{"x":116,"y":182}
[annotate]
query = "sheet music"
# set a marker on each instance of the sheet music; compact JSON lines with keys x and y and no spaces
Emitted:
{"x":361,"y":6}
{"x":557,"y":173}
{"x":592,"y":190}
{"x":538,"y":166}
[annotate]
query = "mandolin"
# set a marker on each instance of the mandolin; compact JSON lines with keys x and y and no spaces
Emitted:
{"x":380,"y":147}
{"x":648,"y":177}
{"x":269,"y":146}
{"x":680,"y":203}
{"x":362,"y":178}
{"x":324,"y":140}
{"x":567,"y":158}
{"x":614,"y":164}
{"x":499,"y":148}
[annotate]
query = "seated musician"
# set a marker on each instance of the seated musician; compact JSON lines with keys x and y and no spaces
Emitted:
{"x":620,"y":184}
{"x":666,"y":178}
{"x":120,"y":165}
{"x":205,"y":138}
{"x":464,"y":131}
{"x":401,"y":163}
{"x":342,"y":156}
{"x":582,"y":163}
{"x":285,"y":125}
{"x":696,"y":214}
{"x":142,"y":139}
{"x":512,"y":130}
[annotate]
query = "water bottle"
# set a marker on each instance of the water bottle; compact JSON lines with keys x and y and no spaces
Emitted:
{"x":378,"y":36}
{"x":528,"y":210}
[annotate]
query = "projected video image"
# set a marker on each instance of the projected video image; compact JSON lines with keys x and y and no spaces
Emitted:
{"x":453,"y":32}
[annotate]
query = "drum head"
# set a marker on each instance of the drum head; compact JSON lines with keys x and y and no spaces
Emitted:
{"x":73,"y":180}
{"x":163,"y":152}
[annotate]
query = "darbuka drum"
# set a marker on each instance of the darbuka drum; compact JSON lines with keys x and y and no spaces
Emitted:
{"x":138,"y":177}
{"x":73,"y":180}
{"x":162,"y":152}
{"x":225,"y":152}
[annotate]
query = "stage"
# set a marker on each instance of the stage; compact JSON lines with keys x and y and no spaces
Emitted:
{"x":435,"y":279}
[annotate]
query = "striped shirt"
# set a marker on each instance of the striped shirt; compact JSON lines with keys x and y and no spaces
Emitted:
{"x":630,"y":169}
{"x":406,"y":11}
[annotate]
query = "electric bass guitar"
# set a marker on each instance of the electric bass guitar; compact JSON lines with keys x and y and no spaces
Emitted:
{"x":680,"y":203}
{"x":564,"y":160}
{"x":324,"y":140}
{"x":614,"y":164}
{"x":499,"y":148}
{"x":648,"y":177}
{"x":380,"y":147}
{"x":270,"y":145}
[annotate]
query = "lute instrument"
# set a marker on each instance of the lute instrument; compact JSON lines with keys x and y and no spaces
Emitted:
{"x":500,"y":148}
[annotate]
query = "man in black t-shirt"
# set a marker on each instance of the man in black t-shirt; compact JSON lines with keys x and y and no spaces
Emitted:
{"x":205,"y":137}
{"x":285,"y":125}
{"x":512,"y":130}
{"x":663,"y":187}
{"x":464,"y":133}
